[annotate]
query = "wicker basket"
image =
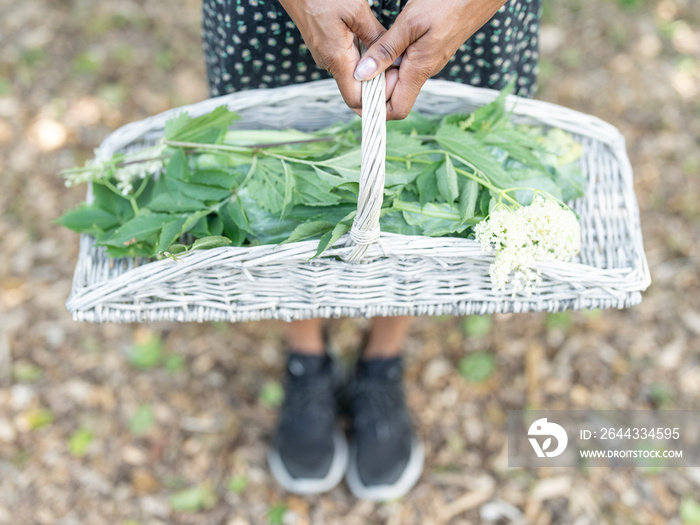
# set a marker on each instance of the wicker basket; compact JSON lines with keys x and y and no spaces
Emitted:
{"x":399,"y":274}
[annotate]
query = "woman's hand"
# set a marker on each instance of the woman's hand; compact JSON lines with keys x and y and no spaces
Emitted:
{"x":427,"y":33}
{"x":330,"y":30}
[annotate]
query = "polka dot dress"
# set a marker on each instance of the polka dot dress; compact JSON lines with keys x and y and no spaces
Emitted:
{"x":254,"y":44}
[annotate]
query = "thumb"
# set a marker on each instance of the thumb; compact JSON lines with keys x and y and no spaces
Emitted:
{"x":384,"y":52}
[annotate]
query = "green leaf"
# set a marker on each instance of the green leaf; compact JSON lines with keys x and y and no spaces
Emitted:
{"x":477,"y":325}
{"x":330,"y":180}
{"x":174,"y":363}
{"x":79,"y":442}
{"x":146,"y":353}
{"x":401,"y":145}
{"x":493,"y":115}
{"x":517,"y":145}
{"x":177,"y":167}
{"x":414,"y":123}
{"x":468,"y":197}
{"x":313,"y":188}
{"x":306,"y":230}
{"x":473,"y":153}
{"x":170,"y":233}
{"x":484,"y":202}
{"x":137,"y":229}
{"x":426,"y":183}
{"x":447,"y":181}
{"x":177,"y":248}
{"x":272,"y":394}
{"x":114,"y":203}
{"x":207,"y":128}
{"x":347,"y":165}
{"x":215,"y":225}
{"x":213,"y":241}
{"x":201,"y":192}
{"x":88,"y":219}
{"x":275,"y":514}
{"x":477,"y":366}
{"x":558,"y":321}
{"x":267,"y":185}
{"x":330,"y":238}
{"x":689,"y":511}
{"x":142,"y":421}
{"x":435,"y":220}
{"x":25,"y":372}
{"x":193,"y":499}
{"x":39,"y":418}
{"x":168,"y":203}
{"x":288,"y":188}
{"x":231,"y":228}
{"x":237,"y":484}
{"x":215,"y":177}
{"x":526,"y":196}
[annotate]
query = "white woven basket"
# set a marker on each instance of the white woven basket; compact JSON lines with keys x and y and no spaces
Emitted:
{"x":399,"y":274}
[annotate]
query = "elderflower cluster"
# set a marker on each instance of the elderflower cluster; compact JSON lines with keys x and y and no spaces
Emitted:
{"x":543,"y":231}
{"x":123,"y":169}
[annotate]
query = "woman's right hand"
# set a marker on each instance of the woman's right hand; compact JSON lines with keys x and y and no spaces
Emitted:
{"x":329,"y":29}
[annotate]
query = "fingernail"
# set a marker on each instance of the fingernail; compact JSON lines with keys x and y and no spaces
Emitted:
{"x":397,"y":62}
{"x":365,"y":69}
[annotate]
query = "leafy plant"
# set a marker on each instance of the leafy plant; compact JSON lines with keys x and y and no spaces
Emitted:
{"x":147,"y":353}
{"x":237,"y":484}
{"x":193,"y":499}
{"x":142,"y":421}
{"x":689,"y":511}
{"x":477,"y":367}
{"x":275,"y":514}
{"x":206,"y":186}
{"x":79,"y":442}
{"x":477,"y":325}
{"x":272,"y":394}
{"x":39,"y":417}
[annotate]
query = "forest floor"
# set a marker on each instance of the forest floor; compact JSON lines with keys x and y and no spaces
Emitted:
{"x":167,"y":423}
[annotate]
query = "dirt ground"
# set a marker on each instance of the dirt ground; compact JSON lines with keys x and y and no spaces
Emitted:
{"x":167,"y":423}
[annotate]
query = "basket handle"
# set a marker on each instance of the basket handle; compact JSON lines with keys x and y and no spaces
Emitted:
{"x":365,"y":227}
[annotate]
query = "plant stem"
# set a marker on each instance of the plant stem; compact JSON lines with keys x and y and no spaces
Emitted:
{"x":416,"y":208}
{"x":202,"y":146}
{"x":114,"y":189}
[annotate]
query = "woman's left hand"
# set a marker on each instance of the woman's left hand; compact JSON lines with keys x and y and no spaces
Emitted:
{"x":425,"y":35}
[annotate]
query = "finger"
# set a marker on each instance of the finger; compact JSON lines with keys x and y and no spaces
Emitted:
{"x":411,"y":77}
{"x":385,"y":51}
{"x":392,"y":77}
{"x":364,"y":26}
{"x":342,"y":67}
{"x":363,"y":23}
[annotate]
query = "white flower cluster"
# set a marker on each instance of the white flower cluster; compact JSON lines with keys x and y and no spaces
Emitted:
{"x":124,"y":169}
{"x":543,"y":231}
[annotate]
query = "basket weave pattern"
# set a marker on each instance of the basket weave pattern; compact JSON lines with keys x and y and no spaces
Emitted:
{"x":396,"y":275}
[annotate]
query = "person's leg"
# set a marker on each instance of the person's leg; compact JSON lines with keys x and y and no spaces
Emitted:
{"x":386,"y":456}
{"x":386,"y":337}
{"x":305,"y":337}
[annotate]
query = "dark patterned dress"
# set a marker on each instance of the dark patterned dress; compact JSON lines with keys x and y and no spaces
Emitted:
{"x":254,"y":44}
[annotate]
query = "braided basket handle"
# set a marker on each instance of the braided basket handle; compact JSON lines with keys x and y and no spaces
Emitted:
{"x":365,"y":227}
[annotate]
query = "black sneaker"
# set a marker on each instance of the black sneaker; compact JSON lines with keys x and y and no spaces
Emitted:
{"x":308,"y":453}
{"x":386,"y":457}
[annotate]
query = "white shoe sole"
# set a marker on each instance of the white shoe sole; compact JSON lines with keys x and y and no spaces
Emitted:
{"x":395,"y":490}
{"x":304,"y":486}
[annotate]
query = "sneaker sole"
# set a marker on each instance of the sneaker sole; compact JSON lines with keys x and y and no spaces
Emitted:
{"x":304,"y":486}
{"x":398,"y":489}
